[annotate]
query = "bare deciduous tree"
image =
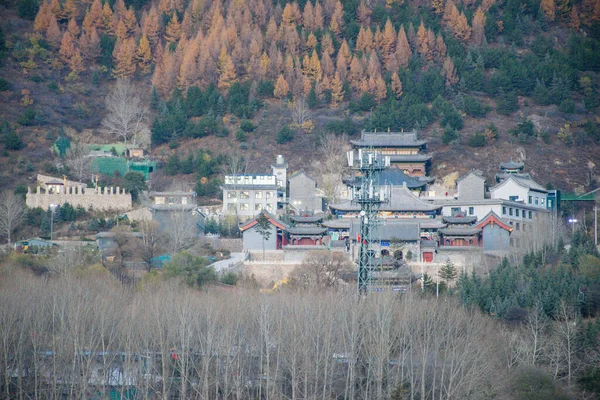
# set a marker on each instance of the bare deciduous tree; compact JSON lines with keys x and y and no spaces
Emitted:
{"x":332,"y":165}
{"x":321,"y":269}
{"x":181,"y":230}
{"x":12,"y":212}
{"x":300,"y":114}
{"x":127,"y":114}
{"x":78,"y":161}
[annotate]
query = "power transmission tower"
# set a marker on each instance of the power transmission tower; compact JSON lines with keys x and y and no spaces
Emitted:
{"x":369,"y":196}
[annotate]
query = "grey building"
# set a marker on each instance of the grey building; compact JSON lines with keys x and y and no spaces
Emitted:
{"x":303,"y":193}
{"x":248,"y":195}
{"x":177,"y":210}
{"x":253,"y":240}
{"x":471,"y":186}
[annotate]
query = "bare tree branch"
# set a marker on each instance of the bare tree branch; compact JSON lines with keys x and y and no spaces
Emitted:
{"x":12,"y":213}
{"x":127,"y":114}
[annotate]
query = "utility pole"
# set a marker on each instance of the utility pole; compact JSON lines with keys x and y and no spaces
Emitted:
{"x":596,"y":226}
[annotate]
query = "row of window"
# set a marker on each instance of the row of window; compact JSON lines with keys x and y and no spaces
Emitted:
{"x":246,"y":207}
{"x":517,"y":212}
{"x":541,"y":201}
{"x":245,"y":194}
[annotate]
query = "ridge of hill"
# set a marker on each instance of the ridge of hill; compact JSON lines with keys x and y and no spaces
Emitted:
{"x":483,"y":81}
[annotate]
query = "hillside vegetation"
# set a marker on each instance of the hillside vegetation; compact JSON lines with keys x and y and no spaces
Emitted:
{"x":483,"y":80}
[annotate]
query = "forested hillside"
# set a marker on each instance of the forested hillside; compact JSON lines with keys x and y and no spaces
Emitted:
{"x":485,"y":81}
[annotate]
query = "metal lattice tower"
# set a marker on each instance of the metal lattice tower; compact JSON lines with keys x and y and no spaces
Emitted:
{"x":369,"y":197}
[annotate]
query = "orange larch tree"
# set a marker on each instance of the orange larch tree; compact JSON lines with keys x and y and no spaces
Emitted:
{"x":479,"y":20}
{"x":173,"y":31}
{"x":42,"y":18}
{"x":67,"y":47}
{"x":144,"y":56}
{"x":396,"y":85}
{"x":363,"y":14}
{"x":423,"y":42}
{"x":281,"y":88}
{"x":449,"y":72}
{"x":151,"y":26}
{"x":364,"y":41}
{"x":226,"y":70}
{"x":549,"y":9}
{"x":123,"y":56}
{"x":308,"y":17}
{"x":53,"y":33}
{"x":337,"y":92}
{"x":319,"y":20}
{"x":403,"y":52}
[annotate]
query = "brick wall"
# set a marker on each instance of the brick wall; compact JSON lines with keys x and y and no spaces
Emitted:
{"x":109,"y":198}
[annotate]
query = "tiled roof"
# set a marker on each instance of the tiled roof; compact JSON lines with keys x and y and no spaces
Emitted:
{"x":475,"y":172}
{"x":402,"y":199}
{"x":306,"y":219}
{"x":527,"y":183}
{"x":460,"y":220}
{"x":491,"y":218}
{"x":389,"y":230}
{"x":409,"y":157}
{"x":512,"y":165}
{"x":306,"y":230}
{"x":459,"y":231}
{"x":392,"y":176}
{"x":394,"y":139}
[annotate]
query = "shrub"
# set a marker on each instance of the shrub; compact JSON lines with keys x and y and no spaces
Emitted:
{"x":449,"y":135}
{"x":4,"y":85}
{"x":567,"y":106}
{"x":247,"y":126}
{"x":285,"y":135}
{"x":507,"y":103}
{"x":473,"y":108}
{"x":28,"y":117}
{"x":453,"y":120}
{"x":241,"y":136}
{"x":477,"y":140}
{"x":265,"y":89}
{"x":366,"y":102}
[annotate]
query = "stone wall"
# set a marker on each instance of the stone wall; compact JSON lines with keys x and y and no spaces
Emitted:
{"x":109,"y":198}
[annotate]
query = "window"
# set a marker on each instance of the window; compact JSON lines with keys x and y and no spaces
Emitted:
{"x":517,"y":212}
{"x":455,"y":210}
{"x":510,"y":211}
{"x":269,"y":195}
{"x":471,"y":210}
{"x":231,"y":207}
{"x":503,"y":210}
{"x":542,"y":201}
{"x":518,"y":226}
{"x":231,"y":195}
{"x":549,"y":203}
{"x":529,"y":199}
{"x":513,"y":198}
{"x":524,"y":227}
{"x":258,"y":195}
{"x":244,"y":195}
{"x":269,"y":207}
{"x":530,"y":215}
{"x":258,"y":207}
{"x":536,"y":200}
{"x":243,"y":206}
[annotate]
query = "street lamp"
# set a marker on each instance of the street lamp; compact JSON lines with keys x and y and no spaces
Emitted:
{"x":573,"y":221}
{"x":52,"y":210}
